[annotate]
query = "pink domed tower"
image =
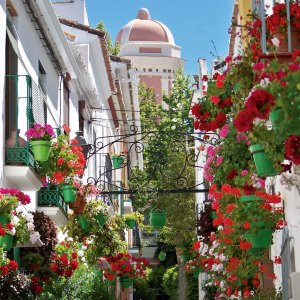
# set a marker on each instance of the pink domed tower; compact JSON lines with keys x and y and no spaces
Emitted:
{"x":150,"y":46}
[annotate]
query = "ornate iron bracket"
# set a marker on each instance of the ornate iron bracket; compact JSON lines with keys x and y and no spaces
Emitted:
{"x":136,"y":142}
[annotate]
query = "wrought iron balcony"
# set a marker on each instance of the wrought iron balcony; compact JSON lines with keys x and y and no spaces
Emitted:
{"x":51,"y":197}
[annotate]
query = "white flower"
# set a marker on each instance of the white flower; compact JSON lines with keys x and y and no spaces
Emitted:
{"x":220,"y":227}
{"x":34,"y":237}
{"x":222,"y":257}
{"x":83,"y":259}
{"x":86,"y":265}
{"x":275,"y":41}
{"x":19,"y":209}
{"x":265,"y":82}
{"x":80,"y":253}
{"x":12,"y":232}
{"x":217,"y":267}
{"x":70,"y":239}
{"x":84,"y":247}
{"x":28,"y":217}
{"x":15,"y":220}
{"x":215,"y":244}
{"x":222,"y":284}
{"x":30,"y":226}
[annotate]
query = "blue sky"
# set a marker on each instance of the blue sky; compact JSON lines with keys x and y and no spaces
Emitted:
{"x":194,"y":23}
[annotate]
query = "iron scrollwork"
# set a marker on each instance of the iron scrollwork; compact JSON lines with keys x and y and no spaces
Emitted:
{"x":137,"y":145}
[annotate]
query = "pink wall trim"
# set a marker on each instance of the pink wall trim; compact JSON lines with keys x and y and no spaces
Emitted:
{"x":149,"y":50}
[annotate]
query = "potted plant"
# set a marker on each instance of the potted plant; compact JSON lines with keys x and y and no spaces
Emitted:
{"x":65,"y":165}
{"x":126,"y":267}
{"x":40,"y":140}
{"x":277,"y":25}
{"x":132,"y":218}
{"x":85,"y":191}
{"x":118,"y":161}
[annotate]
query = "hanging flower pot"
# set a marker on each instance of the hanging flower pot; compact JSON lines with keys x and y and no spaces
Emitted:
{"x":6,"y":242}
{"x":125,"y":282}
{"x":162,"y":255}
{"x":249,"y":200}
{"x":83,"y":223}
{"x":282,"y":128}
{"x":117,"y":161}
{"x":158,"y":218}
{"x":69,"y":193}
{"x":130,"y":223}
{"x":79,"y":205}
{"x":101,"y":219}
{"x":40,"y":150}
{"x":3,"y":218}
{"x":262,"y":238}
{"x":264,"y":166}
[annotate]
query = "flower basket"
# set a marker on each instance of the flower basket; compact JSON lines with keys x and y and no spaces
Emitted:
{"x":158,"y":219}
{"x":101,"y":219}
{"x":125,"y":282}
{"x":40,"y":150}
{"x":117,"y":161}
{"x":264,"y":166}
{"x":162,"y":256}
{"x":6,"y":242}
{"x":69,"y":193}
{"x":83,"y":223}
{"x":130,"y":223}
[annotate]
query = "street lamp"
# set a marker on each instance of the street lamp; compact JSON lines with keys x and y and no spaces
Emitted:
{"x":82,"y":142}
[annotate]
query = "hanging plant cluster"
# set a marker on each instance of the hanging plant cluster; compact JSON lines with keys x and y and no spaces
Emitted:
{"x":259,"y":137}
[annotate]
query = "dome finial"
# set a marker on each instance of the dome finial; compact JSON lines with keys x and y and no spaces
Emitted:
{"x":143,"y":14}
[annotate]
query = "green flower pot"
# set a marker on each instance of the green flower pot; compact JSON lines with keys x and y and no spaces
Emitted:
{"x":158,"y":219}
{"x":126,"y":282}
{"x":264,"y":166}
{"x":162,"y":256}
{"x":117,"y":161}
{"x":3,"y":218}
{"x":6,"y":242}
{"x":283,"y":128}
{"x":248,"y":200}
{"x":83,"y":223}
{"x":262,"y":238}
{"x":69,"y":193}
{"x":101,"y":219}
{"x":130,"y":223}
{"x":213,"y":215}
{"x":40,"y":150}
{"x":183,"y":258}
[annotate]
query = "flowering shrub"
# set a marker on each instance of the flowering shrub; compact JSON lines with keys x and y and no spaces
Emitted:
{"x":24,"y":227}
{"x":10,"y":198}
{"x":65,"y":259}
{"x":124,"y":265}
{"x":66,"y":161}
{"x":39,"y":132}
{"x":88,"y":190}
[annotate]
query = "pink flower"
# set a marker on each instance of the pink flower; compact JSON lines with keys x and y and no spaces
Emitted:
{"x":211,"y":151}
{"x":228,"y":59}
{"x":224,"y":131}
{"x":244,"y":172}
{"x":219,"y":160}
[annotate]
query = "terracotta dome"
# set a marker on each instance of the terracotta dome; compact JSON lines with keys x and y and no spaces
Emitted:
{"x":144,"y":29}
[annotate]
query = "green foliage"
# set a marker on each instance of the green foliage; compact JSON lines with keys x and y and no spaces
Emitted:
{"x":105,"y":240}
{"x":84,"y":284}
{"x":142,"y":290}
{"x":192,"y":290}
{"x":112,"y":49}
{"x":170,"y":282}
